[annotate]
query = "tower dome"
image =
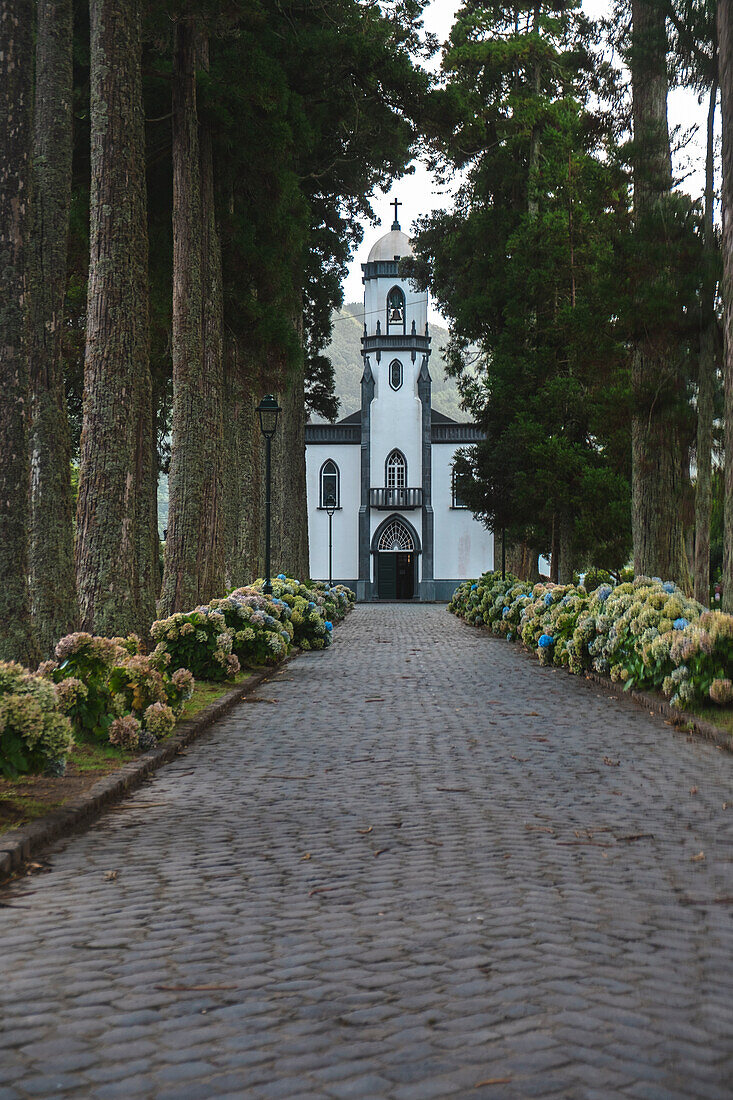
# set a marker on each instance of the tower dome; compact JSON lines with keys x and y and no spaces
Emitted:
{"x":392,"y":246}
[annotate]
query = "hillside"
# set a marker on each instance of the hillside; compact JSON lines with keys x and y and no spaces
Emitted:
{"x":345,"y":354}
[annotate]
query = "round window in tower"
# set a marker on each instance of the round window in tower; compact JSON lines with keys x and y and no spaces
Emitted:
{"x":395,"y":374}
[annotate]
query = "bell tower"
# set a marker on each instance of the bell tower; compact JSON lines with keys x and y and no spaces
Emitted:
{"x":395,"y":424}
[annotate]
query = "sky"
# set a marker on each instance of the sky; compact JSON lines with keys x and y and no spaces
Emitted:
{"x":420,"y":194}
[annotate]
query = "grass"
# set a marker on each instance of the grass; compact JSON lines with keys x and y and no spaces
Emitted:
{"x":722,"y":717}
{"x":30,"y":797}
{"x":206,"y":691}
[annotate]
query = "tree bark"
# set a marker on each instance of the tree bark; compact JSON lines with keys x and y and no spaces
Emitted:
{"x":115,"y":543}
{"x":706,"y":378}
{"x":17,"y":640}
{"x":656,"y":445}
{"x":565,"y":531}
{"x":194,"y":565}
{"x":53,"y":577}
{"x":725,"y":68}
{"x":243,"y":500}
{"x":290,"y":553}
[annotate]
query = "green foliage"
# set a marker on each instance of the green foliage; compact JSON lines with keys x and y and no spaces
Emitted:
{"x":34,"y":734}
{"x":523,"y":268}
{"x":197,"y":640}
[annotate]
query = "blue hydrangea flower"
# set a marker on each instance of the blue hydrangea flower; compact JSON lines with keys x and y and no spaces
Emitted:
{"x":548,"y":599}
{"x":474,"y":587}
{"x":329,"y":626}
{"x":509,"y":637}
{"x":281,"y":577}
{"x":668,"y":587}
{"x":680,"y":624}
{"x":657,"y":580}
{"x":604,"y":592}
{"x":311,"y":605}
{"x":545,"y":641}
{"x":505,"y":612}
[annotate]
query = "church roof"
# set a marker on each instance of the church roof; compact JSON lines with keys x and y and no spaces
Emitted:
{"x":392,"y":246}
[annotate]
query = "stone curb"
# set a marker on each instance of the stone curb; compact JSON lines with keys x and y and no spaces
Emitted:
{"x":684,"y":720}
{"x":20,"y":844}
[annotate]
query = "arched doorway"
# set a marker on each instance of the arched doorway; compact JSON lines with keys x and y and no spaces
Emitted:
{"x":396,"y":547}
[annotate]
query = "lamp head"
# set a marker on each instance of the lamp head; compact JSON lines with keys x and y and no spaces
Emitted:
{"x":330,"y":504}
{"x":268,"y":411}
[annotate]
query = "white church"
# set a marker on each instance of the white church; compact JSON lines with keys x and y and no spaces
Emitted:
{"x":399,"y":529}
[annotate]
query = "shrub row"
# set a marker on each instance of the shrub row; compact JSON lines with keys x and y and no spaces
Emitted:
{"x":644,"y":633}
{"x":107,"y":689}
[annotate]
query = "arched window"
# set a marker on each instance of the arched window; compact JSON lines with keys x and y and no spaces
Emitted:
{"x":395,"y":471}
{"x":396,"y":537}
{"x":395,"y":374}
{"x":395,"y":310}
{"x":330,"y":484}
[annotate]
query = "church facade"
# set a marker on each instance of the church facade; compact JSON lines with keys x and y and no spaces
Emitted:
{"x":399,"y":529}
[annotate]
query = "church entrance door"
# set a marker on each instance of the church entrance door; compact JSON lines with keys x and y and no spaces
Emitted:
{"x":395,"y":575}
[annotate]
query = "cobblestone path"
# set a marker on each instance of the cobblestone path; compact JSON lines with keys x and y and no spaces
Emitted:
{"x":416,"y":866}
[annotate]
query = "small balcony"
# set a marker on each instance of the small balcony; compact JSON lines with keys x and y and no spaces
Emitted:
{"x":386,"y":500}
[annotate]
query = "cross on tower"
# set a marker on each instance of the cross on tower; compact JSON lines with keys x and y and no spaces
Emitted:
{"x":395,"y":223}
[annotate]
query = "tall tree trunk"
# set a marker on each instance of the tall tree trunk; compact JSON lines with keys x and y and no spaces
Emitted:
{"x":289,"y":501}
{"x":565,"y":531}
{"x":725,"y":68}
{"x":211,"y":580}
{"x":656,"y":446}
{"x":243,"y":499}
{"x":53,"y":577}
{"x":115,"y":564}
{"x":17,"y":641}
{"x":194,"y":565}
{"x":706,"y":379}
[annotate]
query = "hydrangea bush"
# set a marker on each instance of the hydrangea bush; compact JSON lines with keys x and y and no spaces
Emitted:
{"x":644,"y":632}
{"x":102,"y":682}
{"x":35,"y":735}
{"x":309,"y":613}
{"x":197,"y":640}
{"x":262,"y":631}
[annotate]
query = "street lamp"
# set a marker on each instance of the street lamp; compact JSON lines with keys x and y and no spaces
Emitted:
{"x":330,"y":508}
{"x":268,"y":411}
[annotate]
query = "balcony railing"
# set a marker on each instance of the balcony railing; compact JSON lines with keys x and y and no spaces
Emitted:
{"x":387,"y":499}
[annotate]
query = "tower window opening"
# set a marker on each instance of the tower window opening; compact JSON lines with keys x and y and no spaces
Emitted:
{"x":395,"y":374}
{"x":396,"y":310}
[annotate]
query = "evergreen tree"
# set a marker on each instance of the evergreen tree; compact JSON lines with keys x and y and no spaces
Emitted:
{"x":16,"y":67}
{"x":53,"y":579}
{"x":521,"y":269}
{"x":116,"y":560}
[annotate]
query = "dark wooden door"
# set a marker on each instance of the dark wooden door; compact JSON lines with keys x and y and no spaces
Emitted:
{"x":405,"y":579}
{"x":387,"y":576}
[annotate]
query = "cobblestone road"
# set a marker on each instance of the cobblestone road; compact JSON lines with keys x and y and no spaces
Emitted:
{"x":416,"y":866}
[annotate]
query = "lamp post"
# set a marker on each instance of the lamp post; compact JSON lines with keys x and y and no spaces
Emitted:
{"x":268,"y":411}
{"x":330,"y":508}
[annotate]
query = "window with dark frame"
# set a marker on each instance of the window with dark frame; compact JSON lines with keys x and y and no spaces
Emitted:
{"x":329,"y":483}
{"x":395,"y":374}
{"x":457,"y":500}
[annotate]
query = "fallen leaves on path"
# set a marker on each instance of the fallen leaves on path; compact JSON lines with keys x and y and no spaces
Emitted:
{"x":493,"y":1081}
{"x":110,"y":876}
{"x":193,"y":988}
{"x":611,"y":763}
{"x":698,"y":858}
{"x":364,"y":832}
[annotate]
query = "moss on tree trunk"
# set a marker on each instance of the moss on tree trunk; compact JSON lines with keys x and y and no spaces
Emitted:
{"x":116,"y":564}
{"x":244,"y":456}
{"x":53,"y":577}
{"x":16,"y":66}
{"x":194,"y":564}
